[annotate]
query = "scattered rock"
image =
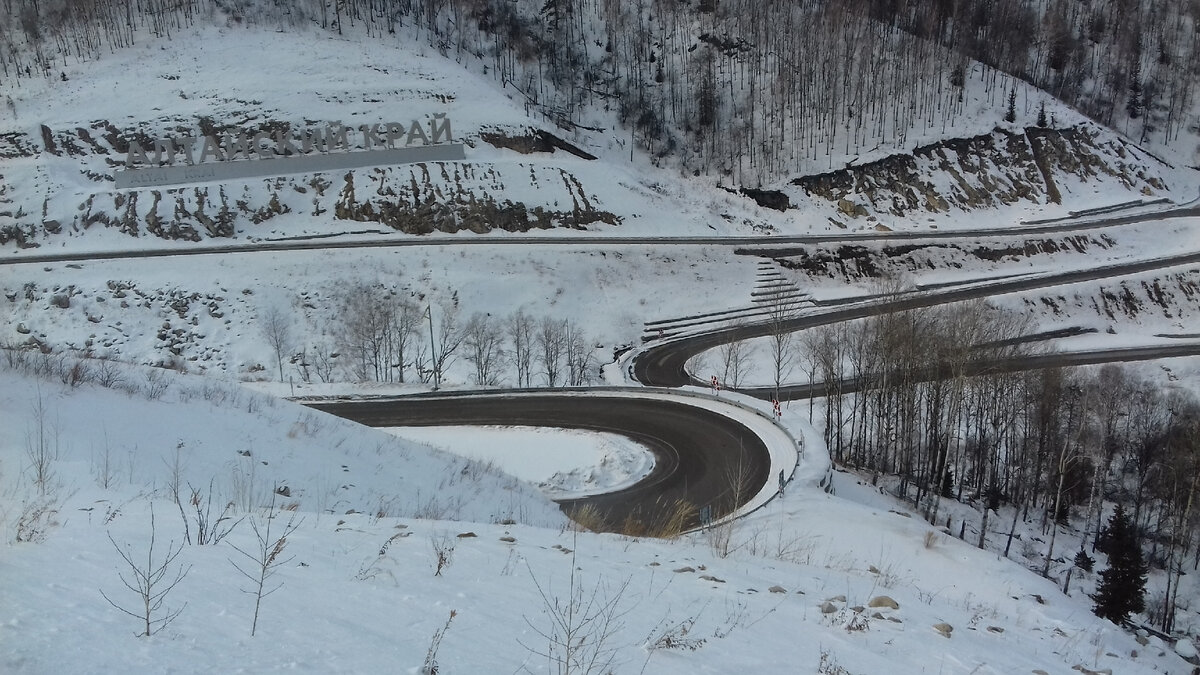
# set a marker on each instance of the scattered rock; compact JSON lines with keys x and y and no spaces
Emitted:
{"x":681,"y":570}
{"x":995,"y":629}
{"x":944,"y":629}
{"x":1186,"y":649}
{"x":770,"y":199}
{"x":1089,"y":671}
{"x":777,"y":589}
{"x":467,"y":535}
{"x":1039,"y":671}
{"x":883,"y":601}
{"x":709,"y":577}
{"x":828,"y":607}
{"x":873,"y":569}
{"x":23,"y":329}
{"x":900,"y":513}
{"x":849,"y":208}
{"x":837,"y":598}
{"x":509,"y":540}
{"x":61,"y":300}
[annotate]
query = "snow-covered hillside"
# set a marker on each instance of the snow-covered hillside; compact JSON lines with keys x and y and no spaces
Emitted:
{"x":63,"y":140}
{"x":404,"y":555}
{"x":814,"y":582}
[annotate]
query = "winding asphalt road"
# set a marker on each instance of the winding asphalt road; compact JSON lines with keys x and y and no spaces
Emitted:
{"x":664,"y":364}
{"x":696,"y":451}
{"x":1006,"y":365}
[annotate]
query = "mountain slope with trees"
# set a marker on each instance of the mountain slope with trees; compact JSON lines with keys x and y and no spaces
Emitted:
{"x":749,"y":90}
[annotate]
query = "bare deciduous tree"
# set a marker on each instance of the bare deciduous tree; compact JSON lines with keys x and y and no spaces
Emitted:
{"x":583,"y":624}
{"x":735,"y":356}
{"x":551,"y":344}
{"x":276,"y":328}
{"x":578,"y":355}
{"x":40,"y":449}
{"x":485,"y":347}
{"x":266,"y":557}
{"x":449,"y":337}
{"x":781,"y":339}
{"x":152,"y":581}
{"x":520,"y":327}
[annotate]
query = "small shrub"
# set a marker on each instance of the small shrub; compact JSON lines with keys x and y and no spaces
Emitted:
{"x":430,"y":666}
{"x":580,"y":636}
{"x":676,"y":636}
{"x":156,"y":384}
{"x":931,"y":539}
{"x":443,"y":552}
{"x":828,"y":665}
{"x":36,"y":518}
{"x":668,"y":522}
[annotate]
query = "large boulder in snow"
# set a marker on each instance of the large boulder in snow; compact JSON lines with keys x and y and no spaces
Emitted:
{"x":883,"y":601}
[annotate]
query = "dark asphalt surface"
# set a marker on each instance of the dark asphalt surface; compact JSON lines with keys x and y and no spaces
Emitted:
{"x":1034,"y":362}
{"x":662,"y":365}
{"x":403,"y":241}
{"x":696,"y":451}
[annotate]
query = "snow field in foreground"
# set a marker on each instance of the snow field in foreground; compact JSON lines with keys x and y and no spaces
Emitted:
{"x":359,"y":591}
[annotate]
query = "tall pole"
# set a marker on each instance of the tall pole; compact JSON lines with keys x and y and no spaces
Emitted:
{"x":437,"y":370}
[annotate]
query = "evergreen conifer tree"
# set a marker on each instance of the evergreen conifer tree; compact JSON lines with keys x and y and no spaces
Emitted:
{"x":1122,"y":587}
{"x":1011,"y":114}
{"x":1134,"y":105}
{"x":1041,"y":120}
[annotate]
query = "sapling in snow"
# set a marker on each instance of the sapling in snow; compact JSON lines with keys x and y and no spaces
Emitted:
{"x":152,"y":581}
{"x":265,"y":558}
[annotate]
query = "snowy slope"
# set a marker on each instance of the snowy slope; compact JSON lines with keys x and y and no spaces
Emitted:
{"x":59,"y":153}
{"x":359,"y":591}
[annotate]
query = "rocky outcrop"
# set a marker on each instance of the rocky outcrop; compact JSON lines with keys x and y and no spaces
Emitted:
{"x":985,"y":171}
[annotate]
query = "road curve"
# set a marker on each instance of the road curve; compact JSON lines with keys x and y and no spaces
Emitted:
{"x":664,"y":365}
{"x":1007,"y":365}
{"x":696,"y":450}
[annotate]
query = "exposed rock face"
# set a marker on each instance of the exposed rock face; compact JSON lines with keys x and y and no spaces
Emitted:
{"x":534,"y":140}
{"x":417,"y":199}
{"x":768,"y":199}
{"x":985,"y":172}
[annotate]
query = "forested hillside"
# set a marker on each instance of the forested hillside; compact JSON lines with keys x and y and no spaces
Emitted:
{"x":750,"y":90}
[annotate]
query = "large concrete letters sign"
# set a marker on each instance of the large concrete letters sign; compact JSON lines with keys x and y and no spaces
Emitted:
{"x":231,"y":156}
